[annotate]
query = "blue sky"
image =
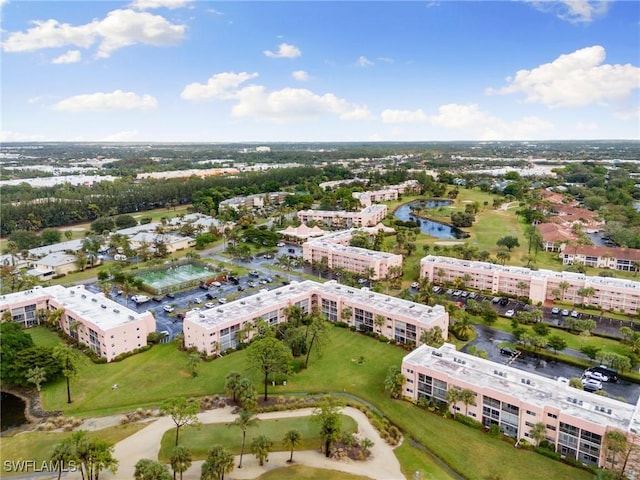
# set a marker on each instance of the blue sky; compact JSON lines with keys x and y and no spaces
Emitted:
{"x":196,"y":71}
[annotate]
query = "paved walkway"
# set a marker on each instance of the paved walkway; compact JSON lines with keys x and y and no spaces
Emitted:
{"x":381,"y":465}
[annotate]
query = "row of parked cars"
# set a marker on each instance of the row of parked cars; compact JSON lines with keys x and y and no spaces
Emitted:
{"x":593,"y":377}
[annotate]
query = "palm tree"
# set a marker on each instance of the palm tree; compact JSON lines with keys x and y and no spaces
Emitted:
{"x":180,"y":460}
{"x":538,"y":432}
{"x":379,"y":322}
{"x":231,"y":383}
{"x":467,"y":397}
{"x":244,"y":420}
{"x":261,"y":446}
{"x":219,"y":461}
{"x":521,"y":286}
{"x":564,"y":286}
{"x":291,"y":440}
{"x":192,"y":363}
{"x":453,"y":397}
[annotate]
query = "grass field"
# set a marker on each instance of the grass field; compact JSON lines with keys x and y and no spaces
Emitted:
{"x":149,"y":378}
{"x":300,"y":472}
{"x":200,"y":439}
{"x":38,"y":446}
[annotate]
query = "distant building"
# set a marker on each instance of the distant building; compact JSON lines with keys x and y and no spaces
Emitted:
{"x":367,"y":217}
{"x":216,"y":329}
{"x":105,"y":326}
{"x":609,"y":294}
{"x":259,"y":200}
{"x":623,"y":259}
{"x":334,"y":247}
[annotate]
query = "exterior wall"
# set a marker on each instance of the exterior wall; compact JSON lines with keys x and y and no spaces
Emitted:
{"x":215,"y":330}
{"x":576,"y":421}
{"x":538,"y":285}
{"x":107,"y":327}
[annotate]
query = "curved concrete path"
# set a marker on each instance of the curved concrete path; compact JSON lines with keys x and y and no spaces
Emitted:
{"x":381,"y":465}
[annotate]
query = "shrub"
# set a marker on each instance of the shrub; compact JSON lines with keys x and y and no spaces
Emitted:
{"x":495,"y":430}
{"x":468,"y":421}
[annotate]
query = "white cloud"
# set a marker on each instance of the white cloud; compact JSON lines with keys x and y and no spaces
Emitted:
{"x":403,"y":116}
{"x":364,"y":62}
{"x":116,"y":100}
{"x":284,"y":51}
{"x":120,"y":28}
{"x":482,"y":126}
{"x":293,"y":104}
{"x":9,"y":136}
{"x":123,"y":136}
{"x":386,"y":59}
{"x":34,"y":100}
{"x":573,"y":11}
{"x":221,"y":85}
{"x":152,"y":4}
{"x":72,"y":56}
{"x":577,"y":79}
{"x":300,"y":75}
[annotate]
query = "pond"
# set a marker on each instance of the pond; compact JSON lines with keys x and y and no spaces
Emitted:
{"x":12,"y":411}
{"x":430,"y":227}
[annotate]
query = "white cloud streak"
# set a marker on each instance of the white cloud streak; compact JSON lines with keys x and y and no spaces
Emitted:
{"x":72,"y":56}
{"x":364,"y":62}
{"x":285,"y":50}
{"x":153,"y":4}
{"x":219,"y":86}
{"x":120,"y":28}
{"x":573,"y":11}
{"x":403,"y":116}
{"x":300,"y":75}
{"x":102,"y":102}
{"x":578,"y":79}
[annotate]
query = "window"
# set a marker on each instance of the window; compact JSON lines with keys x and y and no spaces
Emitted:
{"x":529,"y":412}
{"x":551,"y":427}
{"x":552,"y":415}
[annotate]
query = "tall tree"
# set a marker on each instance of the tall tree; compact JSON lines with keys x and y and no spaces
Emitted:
{"x":316,"y":333}
{"x":146,"y":469}
{"x":181,"y":460}
{"x":394,"y":381}
{"x":538,"y":432}
{"x":182,"y":411}
{"x":328,"y":415}
{"x":36,"y":375}
{"x":291,"y":440}
{"x":218,"y":462}
{"x":69,"y":361}
{"x":260,"y":447}
{"x":467,"y":397}
{"x":244,"y":420}
{"x":231,"y":382}
{"x":270,"y":356}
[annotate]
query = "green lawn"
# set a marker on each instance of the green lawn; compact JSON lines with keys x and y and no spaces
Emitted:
{"x":38,"y":446}
{"x":200,"y":439}
{"x":300,"y":472}
{"x":149,"y":378}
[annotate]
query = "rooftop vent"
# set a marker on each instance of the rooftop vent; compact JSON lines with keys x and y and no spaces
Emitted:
{"x":115,"y":310}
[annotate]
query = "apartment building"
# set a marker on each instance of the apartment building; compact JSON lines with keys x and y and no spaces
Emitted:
{"x":335,"y":248}
{"x":367,"y":217}
{"x":259,"y":200}
{"x":375,"y":196}
{"x":606,"y":293}
{"x":105,"y":326}
{"x":576,"y":421}
{"x":623,"y":259}
{"x":216,"y":329}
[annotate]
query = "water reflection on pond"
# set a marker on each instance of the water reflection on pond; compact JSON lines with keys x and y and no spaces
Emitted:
{"x":429,"y":227}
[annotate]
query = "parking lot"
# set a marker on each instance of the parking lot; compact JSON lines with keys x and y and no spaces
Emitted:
{"x":167,"y":310}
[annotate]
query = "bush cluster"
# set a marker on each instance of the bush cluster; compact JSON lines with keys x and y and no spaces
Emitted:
{"x":137,"y":415}
{"x":65,"y":423}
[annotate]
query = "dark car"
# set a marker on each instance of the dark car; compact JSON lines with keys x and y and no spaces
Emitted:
{"x":158,"y":298}
{"x":610,"y":373}
{"x":171,"y":295}
{"x":180,"y":316}
{"x":509,"y":351}
{"x":240,"y":288}
{"x":233,"y":280}
{"x":504,"y":301}
{"x":211,"y":296}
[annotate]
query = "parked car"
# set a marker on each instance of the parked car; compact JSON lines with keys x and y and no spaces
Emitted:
{"x":211,"y":296}
{"x":509,"y":313}
{"x":495,"y":300}
{"x":464,"y":294}
{"x":436,"y":289}
{"x":279,"y":244}
{"x":555,"y":310}
{"x":449,"y":291}
{"x":255,"y":273}
{"x":591,"y":385}
{"x":158,"y":298}
{"x":509,"y":351}
{"x":575,"y":314}
{"x":601,"y":377}
{"x":241,"y":288}
{"x":415,"y":285}
{"x":565,"y":313}
{"x":198,"y":300}
{"x":222,"y":301}
{"x":473,"y":294}
{"x":210,"y":305}
{"x":504,"y":301}
{"x":168,"y":308}
{"x":171,"y":295}
{"x":610,"y":373}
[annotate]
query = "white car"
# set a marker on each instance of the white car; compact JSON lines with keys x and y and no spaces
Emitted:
{"x":565,"y":313}
{"x":279,"y":244}
{"x":415,"y":285}
{"x":575,"y":314}
{"x":595,"y":376}
{"x":509,"y":313}
{"x":222,"y":300}
{"x":591,"y":385}
{"x":555,"y":310}
{"x":168,"y":308}
{"x":210,"y":305}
